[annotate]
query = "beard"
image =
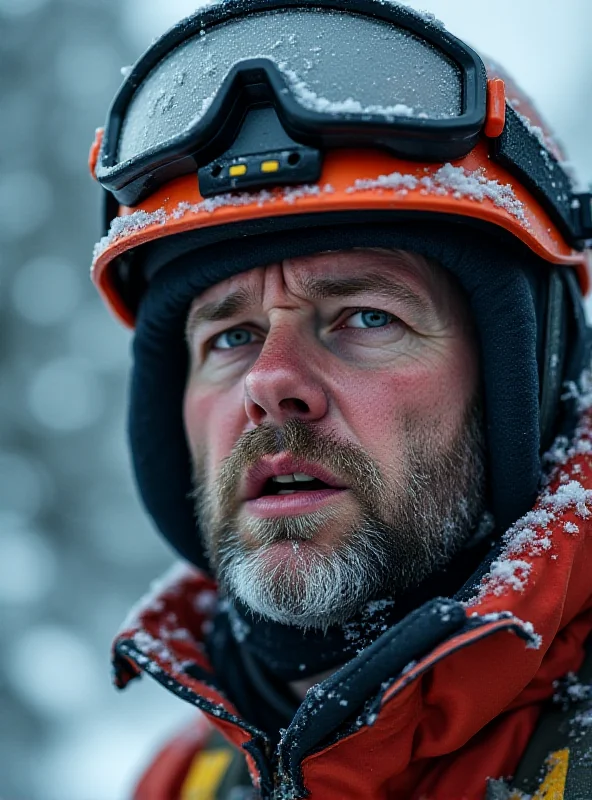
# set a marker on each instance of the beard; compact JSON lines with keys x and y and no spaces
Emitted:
{"x":331,"y":563}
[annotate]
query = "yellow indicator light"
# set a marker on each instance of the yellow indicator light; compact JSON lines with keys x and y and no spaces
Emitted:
{"x":236,"y":170}
{"x":270,"y":166}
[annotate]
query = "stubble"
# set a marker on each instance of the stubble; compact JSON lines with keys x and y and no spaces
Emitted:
{"x":404,"y":528}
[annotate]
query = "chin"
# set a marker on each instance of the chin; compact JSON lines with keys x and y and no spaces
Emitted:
{"x":295,"y":583}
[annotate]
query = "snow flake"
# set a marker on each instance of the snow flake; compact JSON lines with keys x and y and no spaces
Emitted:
{"x":444,"y":609}
{"x":475,"y":185}
{"x":584,"y":718}
{"x":508,"y":572}
{"x":130,"y":223}
{"x":494,"y":616}
{"x":571,"y":527}
{"x":570,"y":690}
{"x":536,"y":639}
{"x":311,"y":100}
{"x":206,"y":602}
{"x":569,"y":495}
{"x":580,"y":391}
{"x":138,"y":220}
{"x":427,"y":16}
{"x":291,"y":194}
{"x":374,"y":620}
{"x":395,"y":180}
{"x":583,"y":447}
{"x":182,"y":635}
{"x":155,"y":648}
{"x":558,"y":452}
{"x":456,"y":181}
{"x":240,"y":629}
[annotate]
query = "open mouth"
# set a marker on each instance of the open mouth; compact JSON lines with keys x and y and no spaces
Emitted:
{"x":276,"y":491}
{"x":291,"y":484}
{"x":285,"y":485}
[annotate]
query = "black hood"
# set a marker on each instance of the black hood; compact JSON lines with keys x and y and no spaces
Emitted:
{"x":528,"y":315}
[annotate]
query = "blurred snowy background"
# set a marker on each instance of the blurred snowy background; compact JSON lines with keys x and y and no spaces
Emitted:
{"x":75,"y":548}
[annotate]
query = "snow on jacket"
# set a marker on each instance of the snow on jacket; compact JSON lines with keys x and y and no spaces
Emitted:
{"x":458,"y":686}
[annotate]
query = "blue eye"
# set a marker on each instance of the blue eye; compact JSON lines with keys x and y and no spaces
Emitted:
{"x":235,"y":337}
{"x":371,"y":318}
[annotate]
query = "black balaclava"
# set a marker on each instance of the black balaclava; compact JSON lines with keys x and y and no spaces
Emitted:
{"x":508,"y":291}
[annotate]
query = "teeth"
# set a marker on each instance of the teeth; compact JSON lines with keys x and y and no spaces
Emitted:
{"x":287,"y":491}
{"x":298,"y":477}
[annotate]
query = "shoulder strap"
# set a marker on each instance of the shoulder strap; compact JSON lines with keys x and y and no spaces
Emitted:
{"x":557,"y":763}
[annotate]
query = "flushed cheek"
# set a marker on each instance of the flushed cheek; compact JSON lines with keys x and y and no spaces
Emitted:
{"x":212,"y":425}
{"x":377,"y":408}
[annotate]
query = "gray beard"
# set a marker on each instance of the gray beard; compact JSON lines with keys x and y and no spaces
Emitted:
{"x":405,"y":530}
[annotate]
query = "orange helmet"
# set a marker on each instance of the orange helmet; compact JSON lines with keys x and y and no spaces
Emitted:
{"x":256,"y":117}
{"x":506,"y":171}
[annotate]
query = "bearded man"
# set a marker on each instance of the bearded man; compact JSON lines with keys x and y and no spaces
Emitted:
{"x":356,"y":275}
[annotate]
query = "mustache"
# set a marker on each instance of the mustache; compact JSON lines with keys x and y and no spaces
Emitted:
{"x":345,"y":460}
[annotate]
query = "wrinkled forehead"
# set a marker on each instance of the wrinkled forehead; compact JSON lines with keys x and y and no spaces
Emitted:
{"x":298,"y":275}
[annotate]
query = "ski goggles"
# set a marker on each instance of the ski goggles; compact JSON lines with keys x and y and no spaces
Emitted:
{"x":250,"y":93}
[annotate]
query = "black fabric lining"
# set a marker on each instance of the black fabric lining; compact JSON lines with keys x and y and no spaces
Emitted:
{"x":249,"y":691}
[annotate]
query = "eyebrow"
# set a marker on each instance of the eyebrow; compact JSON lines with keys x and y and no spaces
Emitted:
{"x":314,"y":289}
{"x":216,"y":311}
{"x":326,"y":288}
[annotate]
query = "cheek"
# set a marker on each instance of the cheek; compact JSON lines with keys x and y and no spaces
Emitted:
{"x":213,"y":422}
{"x":434,"y":393}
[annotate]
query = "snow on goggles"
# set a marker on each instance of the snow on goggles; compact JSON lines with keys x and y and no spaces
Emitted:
{"x":250,"y":93}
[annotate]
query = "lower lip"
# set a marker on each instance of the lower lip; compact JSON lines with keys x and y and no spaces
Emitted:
{"x":291,"y":504}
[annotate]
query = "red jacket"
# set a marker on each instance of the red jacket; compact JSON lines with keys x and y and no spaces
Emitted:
{"x":461,"y":712}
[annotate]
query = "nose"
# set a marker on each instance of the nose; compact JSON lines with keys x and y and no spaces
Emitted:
{"x":283,"y":383}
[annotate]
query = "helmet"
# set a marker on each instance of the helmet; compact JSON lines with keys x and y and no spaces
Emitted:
{"x":295,"y":127}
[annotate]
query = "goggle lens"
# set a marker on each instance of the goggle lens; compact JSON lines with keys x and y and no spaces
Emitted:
{"x":332,"y":63}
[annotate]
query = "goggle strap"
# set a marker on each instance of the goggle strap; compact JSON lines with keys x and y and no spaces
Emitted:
{"x":522,"y":151}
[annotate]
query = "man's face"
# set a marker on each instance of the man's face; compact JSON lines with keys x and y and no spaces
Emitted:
{"x":333,"y":417}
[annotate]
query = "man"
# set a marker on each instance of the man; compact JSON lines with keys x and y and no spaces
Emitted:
{"x":356,"y":276}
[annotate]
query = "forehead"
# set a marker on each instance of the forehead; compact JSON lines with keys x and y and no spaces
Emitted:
{"x":297,"y":274}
